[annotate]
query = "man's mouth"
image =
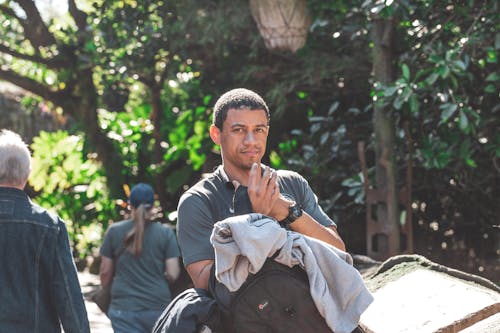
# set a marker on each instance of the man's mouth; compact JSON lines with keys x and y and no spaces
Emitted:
{"x":251,"y":152}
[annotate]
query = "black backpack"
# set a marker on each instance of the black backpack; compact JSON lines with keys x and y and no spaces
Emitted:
{"x":189,"y":312}
{"x":276,"y":299}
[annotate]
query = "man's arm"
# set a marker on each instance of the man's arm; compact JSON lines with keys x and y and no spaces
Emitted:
{"x":263,"y":191}
{"x":199,"y":272}
{"x":306,"y":225}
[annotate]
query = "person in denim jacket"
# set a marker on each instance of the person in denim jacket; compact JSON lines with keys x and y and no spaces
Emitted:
{"x":39,"y":285}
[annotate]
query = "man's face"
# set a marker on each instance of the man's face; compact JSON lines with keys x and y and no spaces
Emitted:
{"x":243,"y":137}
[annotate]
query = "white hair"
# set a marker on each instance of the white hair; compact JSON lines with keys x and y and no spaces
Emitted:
{"x":15,"y":159}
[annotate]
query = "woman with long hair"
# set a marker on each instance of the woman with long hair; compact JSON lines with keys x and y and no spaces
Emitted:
{"x":140,"y":259}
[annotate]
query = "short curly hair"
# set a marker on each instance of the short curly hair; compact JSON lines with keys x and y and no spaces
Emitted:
{"x":239,"y":98}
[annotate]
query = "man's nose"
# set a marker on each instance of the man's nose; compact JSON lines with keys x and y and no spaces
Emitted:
{"x":249,"y":137}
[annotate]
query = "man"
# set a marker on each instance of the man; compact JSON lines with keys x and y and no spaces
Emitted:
{"x":243,"y":185}
{"x":39,"y":285}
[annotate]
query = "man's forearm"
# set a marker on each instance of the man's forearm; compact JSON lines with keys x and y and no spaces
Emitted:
{"x":204,"y":277}
{"x":200,"y":273}
{"x":306,"y":225}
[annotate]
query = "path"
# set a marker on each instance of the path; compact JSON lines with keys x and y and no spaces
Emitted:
{"x":99,"y":322}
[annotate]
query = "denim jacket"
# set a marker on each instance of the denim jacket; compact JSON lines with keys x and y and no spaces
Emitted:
{"x":39,"y":288}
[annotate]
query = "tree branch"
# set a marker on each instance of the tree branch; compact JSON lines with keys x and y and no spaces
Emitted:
{"x":34,"y":27}
{"x":31,"y":85}
{"x":54,"y":63}
{"x":79,"y":16}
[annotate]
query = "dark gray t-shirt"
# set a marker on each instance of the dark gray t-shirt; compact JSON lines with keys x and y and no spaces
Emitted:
{"x":139,"y":282}
{"x":214,"y":199}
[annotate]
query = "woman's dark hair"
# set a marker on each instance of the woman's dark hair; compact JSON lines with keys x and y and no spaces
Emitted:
{"x":135,"y":237}
{"x":141,"y":200}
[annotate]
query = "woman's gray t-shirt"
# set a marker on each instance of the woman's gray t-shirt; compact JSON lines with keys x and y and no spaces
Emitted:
{"x":139,"y":282}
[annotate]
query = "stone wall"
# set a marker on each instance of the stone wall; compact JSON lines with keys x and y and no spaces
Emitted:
{"x":27,"y":123}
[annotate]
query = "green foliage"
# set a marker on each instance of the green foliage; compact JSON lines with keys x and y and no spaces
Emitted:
{"x":184,"y":134}
{"x":453,"y":94}
{"x":133,"y":44}
{"x":176,"y":55}
{"x":445,"y":100}
{"x":324,"y":154}
{"x":71,"y":184}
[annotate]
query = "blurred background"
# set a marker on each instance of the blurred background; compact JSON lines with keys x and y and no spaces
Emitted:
{"x":391,"y":110}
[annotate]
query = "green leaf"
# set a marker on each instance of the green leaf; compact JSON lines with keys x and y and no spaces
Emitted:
{"x":470,"y":162}
{"x":464,"y":121}
{"x":442,"y":159}
{"x":301,"y":95}
{"x":444,"y":71}
{"x":398,"y":102}
{"x":449,"y":55}
{"x":431,"y":79}
{"x":406,"y":72}
{"x":414,"y":104}
{"x":207,"y":99}
{"x":389,"y":91}
{"x":316,"y":119}
{"x":333,"y":108}
{"x":490,"y":89}
{"x":435,"y":59}
{"x":460,"y":65}
{"x":493,"y":77}
{"x":447,"y":111}
{"x":492,"y":56}
{"x":324,"y":137}
{"x":377,"y":8}
{"x":402,"y":217}
{"x":275,"y":159}
{"x":407,"y":92}
{"x":454,"y":82}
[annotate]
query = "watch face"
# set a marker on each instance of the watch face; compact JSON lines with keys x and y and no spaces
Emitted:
{"x":294,"y":212}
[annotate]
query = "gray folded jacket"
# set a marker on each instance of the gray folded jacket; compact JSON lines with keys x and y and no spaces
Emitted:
{"x":243,"y":243}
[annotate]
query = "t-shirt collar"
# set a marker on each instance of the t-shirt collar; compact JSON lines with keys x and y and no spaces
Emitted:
{"x":224,"y":178}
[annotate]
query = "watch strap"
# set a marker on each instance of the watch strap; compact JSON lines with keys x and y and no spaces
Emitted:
{"x":294,"y":212}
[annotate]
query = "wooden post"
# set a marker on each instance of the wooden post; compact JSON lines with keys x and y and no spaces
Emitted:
{"x":384,"y":240}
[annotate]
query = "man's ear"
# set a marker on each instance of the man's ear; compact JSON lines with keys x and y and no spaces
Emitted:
{"x":215,"y":134}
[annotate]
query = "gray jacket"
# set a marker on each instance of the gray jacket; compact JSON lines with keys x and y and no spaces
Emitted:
{"x":242,"y":244}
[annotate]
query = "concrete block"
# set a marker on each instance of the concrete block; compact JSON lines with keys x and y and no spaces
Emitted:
{"x":428,"y":301}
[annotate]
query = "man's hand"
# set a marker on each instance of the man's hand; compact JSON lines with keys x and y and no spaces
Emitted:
{"x":265,"y":196}
{"x":263,"y":189}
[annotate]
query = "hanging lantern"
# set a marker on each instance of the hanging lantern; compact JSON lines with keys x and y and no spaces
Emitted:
{"x":283,"y":24}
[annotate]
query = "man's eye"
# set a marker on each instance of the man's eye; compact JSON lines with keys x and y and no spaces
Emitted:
{"x":237,"y":130}
{"x":260,"y":130}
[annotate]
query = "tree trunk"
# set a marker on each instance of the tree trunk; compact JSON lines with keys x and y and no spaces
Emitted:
{"x":386,"y":241}
{"x":159,"y":176}
{"x":82,"y":104}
